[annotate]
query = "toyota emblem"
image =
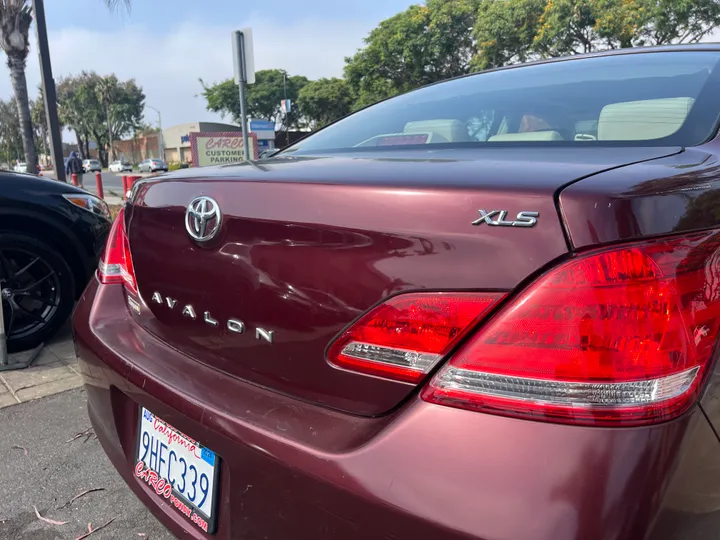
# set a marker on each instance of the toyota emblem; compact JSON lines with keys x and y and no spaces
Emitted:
{"x":203,"y":218}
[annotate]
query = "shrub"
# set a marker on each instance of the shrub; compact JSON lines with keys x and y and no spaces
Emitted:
{"x":174,"y":166}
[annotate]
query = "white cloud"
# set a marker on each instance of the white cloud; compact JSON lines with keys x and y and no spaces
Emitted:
{"x":167,"y":65}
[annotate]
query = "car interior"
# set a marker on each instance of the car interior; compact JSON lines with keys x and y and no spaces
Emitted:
{"x":576,"y":113}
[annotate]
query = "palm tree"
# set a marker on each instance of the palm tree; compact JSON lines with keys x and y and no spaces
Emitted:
{"x":107,"y":95}
{"x":114,"y":4}
{"x":15,"y":20}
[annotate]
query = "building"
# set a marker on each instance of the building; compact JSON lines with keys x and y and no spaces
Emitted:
{"x":176,"y":141}
{"x":137,"y":149}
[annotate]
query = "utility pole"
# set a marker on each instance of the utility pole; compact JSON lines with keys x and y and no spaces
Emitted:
{"x":48,"y":85}
{"x":161,"y":142}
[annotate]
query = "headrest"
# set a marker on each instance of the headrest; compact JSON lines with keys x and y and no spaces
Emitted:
{"x":452,"y":130}
{"x":643,"y":120}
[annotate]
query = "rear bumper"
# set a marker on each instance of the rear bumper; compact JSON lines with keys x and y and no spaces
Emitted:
{"x":293,"y":470}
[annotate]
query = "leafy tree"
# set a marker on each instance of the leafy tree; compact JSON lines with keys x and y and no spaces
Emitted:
{"x":325,"y":100}
{"x":11,"y":148}
{"x":263,"y":97}
{"x":505,"y":31}
{"x":676,"y":21}
{"x":581,"y":26}
{"x":39,"y":121}
{"x":84,"y":106}
{"x":421,"y":45}
{"x":15,"y":20}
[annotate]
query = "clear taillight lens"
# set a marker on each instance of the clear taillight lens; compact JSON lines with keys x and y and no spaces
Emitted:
{"x":406,"y":336}
{"x":116,"y":262}
{"x":618,"y":336}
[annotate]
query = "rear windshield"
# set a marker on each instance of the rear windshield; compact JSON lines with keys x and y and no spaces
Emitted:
{"x":643,"y":99}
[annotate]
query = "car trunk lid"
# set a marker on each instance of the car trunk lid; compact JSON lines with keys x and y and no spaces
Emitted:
{"x":307,"y":245}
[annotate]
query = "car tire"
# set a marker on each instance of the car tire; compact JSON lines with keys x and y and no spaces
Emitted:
{"x":55,"y":295}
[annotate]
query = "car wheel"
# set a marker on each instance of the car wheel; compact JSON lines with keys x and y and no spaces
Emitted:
{"x":37,"y":289}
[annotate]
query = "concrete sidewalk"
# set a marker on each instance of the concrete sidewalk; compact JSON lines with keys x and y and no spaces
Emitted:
{"x":51,"y":457}
{"x":54,"y":370}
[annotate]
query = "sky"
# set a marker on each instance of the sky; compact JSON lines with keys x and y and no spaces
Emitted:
{"x":167,"y":45}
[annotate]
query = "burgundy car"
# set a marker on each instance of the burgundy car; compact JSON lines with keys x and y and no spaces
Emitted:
{"x":485,"y":309}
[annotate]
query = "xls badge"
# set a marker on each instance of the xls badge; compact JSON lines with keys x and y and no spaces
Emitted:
{"x":523,"y":219}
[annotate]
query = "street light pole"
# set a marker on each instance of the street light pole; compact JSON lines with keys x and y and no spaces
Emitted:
{"x":161,"y":142}
{"x":48,"y":85}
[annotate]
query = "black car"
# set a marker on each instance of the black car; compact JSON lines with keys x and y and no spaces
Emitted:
{"x":51,"y":237}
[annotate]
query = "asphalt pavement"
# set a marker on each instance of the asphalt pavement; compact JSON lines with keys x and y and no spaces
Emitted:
{"x":58,"y":467}
{"x":112,"y":183}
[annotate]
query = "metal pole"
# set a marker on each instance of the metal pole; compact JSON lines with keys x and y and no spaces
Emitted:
{"x":243,"y":77}
{"x":48,"y":85}
{"x":161,"y":142}
{"x":287,"y":113}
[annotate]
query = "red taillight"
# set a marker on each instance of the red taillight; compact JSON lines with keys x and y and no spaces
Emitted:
{"x":618,"y":336}
{"x":116,"y":262}
{"x":406,"y":336}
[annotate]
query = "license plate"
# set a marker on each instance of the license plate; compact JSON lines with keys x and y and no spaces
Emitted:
{"x":179,"y":469}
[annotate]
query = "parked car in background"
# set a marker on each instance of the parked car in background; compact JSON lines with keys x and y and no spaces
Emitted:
{"x":51,"y":235}
{"x":120,"y":166}
{"x":20,"y":167}
{"x":152,"y":165}
{"x":488,"y":308}
{"x":91,"y":165}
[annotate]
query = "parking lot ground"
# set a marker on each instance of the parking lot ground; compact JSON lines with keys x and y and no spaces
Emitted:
{"x":46,"y":464}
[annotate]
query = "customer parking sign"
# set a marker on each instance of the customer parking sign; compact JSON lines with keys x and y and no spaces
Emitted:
{"x":220,"y":148}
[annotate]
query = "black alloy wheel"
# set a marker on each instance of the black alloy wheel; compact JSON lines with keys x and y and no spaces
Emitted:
{"x":37,"y":290}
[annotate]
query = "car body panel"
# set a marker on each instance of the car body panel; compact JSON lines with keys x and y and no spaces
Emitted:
{"x":257,"y":269}
{"x":91,"y":165}
{"x":357,"y":478}
{"x":664,"y":196}
{"x":152,"y":165}
{"x":29,"y":197}
{"x":120,"y":166}
{"x":308,"y":453}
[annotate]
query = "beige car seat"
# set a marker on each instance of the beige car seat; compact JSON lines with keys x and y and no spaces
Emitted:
{"x":643,"y":120}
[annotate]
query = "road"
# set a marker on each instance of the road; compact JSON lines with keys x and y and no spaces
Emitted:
{"x":54,"y":471}
{"x":111,"y":183}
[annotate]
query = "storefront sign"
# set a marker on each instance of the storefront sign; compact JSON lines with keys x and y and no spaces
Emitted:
{"x":220,"y":148}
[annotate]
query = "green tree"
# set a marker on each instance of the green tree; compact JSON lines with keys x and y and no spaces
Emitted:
{"x":15,"y":20}
{"x":421,"y":45}
{"x":581,"y":26}
{"x":83,"y":106}
{"x":676,"y":21}
{"x":325,"y":100}
{"x":39,"y":121}
{"x":11,"y":148}
{"x":505,"y":31}
{"x":263,"y":97}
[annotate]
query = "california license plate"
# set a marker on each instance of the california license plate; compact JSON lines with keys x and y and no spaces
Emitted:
{"x":179,"y":469}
